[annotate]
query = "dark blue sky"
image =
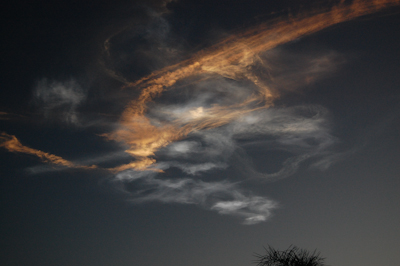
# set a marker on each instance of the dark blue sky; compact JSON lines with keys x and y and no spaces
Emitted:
{"x":318,"y":168}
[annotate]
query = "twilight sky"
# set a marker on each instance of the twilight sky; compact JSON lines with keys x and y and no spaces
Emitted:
{"x":196,"y":132}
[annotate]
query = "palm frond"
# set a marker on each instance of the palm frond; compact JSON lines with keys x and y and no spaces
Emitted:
{"x":293,"y":256}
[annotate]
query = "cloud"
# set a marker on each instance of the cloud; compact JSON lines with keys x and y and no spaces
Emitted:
{"x":301,"y":131}
{"x":214,"y":110}
{"x":4,"y":116}
{"x":11,"y":116}
{"x":193,"y":169}
{"x":236,"y":58}
{"x":12,"y":144}
{"x":59,"y":100}
{"x":224,"y":197}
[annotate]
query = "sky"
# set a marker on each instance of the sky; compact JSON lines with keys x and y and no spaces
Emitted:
{"x":199,"y":132}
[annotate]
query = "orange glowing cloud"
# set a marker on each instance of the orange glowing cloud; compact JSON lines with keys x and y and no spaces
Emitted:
{"x":231,"y":58}
{"x":12,"y":144}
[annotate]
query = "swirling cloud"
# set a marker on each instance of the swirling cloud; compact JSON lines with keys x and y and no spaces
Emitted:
{"x":210,"y":112}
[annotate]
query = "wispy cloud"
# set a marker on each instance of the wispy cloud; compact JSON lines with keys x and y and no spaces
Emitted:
{"x":12,"y":144}
{"x":236,"y":58}
{"x":4,"y":116}
{"x":59,"y":100}
{"x":207,"y":113}
{"x":224,"y":197}
{"x":10,"y":116}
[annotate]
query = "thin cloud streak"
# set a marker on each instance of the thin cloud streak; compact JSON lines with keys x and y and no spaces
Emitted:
{"x":11,"y":116}
{"x":12,"y":144}
{"x":223,"y":197}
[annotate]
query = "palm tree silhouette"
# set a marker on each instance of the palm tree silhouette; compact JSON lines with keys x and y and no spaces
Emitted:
{"x":293,"y":256}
